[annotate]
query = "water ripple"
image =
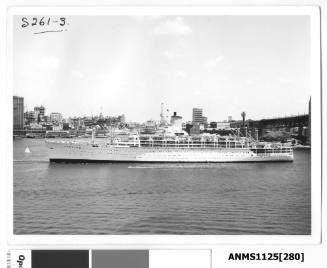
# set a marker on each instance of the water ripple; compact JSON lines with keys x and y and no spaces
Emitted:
{"x":199,"y":199}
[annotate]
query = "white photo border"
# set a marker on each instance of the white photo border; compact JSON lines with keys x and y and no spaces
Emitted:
{"x":191,"y":241}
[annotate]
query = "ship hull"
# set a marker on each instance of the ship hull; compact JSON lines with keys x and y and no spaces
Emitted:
{"x":67,"y":160}
{"x":75,"y":152}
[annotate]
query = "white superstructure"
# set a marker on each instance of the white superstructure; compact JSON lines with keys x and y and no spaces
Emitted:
{"x":174,"y":149}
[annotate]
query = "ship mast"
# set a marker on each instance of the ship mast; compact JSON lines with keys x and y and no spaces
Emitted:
{"x":162,"y":115}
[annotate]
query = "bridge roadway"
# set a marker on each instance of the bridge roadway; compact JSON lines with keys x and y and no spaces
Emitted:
{"x":285,"y":123}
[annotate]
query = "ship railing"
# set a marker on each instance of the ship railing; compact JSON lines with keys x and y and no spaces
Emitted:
{"x":184,"y":144}
{"x":267,"y":145}
{"x":270,"y":151}
{"x":67,"y":141}
{"x":210,"y":144}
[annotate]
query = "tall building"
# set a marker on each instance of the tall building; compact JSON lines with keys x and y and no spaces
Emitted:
{"x":18,"y":112}
{"x":36,"y":113}
{"x":197,"y":116}
{"x":205,"y":120}
{"x":42,"y":110}
{"x":164,"y":115}
{"x":30,"y":116}
{"x":230,"y":118}
{"x":39,"y":112}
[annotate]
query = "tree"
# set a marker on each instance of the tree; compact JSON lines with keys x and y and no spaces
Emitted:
{"x":281,"y":136}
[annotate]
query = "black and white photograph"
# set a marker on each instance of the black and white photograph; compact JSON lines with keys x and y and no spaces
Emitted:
{"x":162,"y":124}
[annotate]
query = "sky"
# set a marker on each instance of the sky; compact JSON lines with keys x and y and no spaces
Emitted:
{"x":130,"y":64}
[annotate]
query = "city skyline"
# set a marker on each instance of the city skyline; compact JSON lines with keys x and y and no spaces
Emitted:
{"x":183,"y":61}
{"x":156,"y":117}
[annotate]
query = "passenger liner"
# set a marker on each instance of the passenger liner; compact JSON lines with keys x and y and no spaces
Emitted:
{"x":203,"y":149}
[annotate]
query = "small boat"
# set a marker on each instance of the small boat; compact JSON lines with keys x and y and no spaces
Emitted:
{"x":30,"y":135}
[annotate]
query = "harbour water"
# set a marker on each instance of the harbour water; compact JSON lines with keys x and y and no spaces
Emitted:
{"x":197,"y":199}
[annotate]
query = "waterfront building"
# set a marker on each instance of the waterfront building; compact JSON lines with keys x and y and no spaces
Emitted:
{"x":30,"y":117}
{"x":187,"y":127}
{"x":230,"y":118}
{"x":164,"y":115}
{"x":46,"y":118}
{"x":113,"y":120}
{"x":39,"y":112}
{"x":42,"y":110}
{"x":205,"y":120}
{"x":223,"y":125}
{"x":195,"y":129}
{"x":56,"y":117}
{"x":18,"y":112}
{"x":197,"y":116}
{"x":88,"y":122}
{"x":213,"y":125}
{"x":35,"y":126}
{"x":36,"y":113}
{"x":122,"y":118}
{"x":36,"y":110}
{"x":58,"y":127}
{"x":219,"y":125}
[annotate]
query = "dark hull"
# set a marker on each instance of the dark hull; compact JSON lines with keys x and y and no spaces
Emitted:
{"x":56,"y":160}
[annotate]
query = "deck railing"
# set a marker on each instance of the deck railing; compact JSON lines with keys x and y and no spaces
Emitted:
{"x":234,"y":144}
